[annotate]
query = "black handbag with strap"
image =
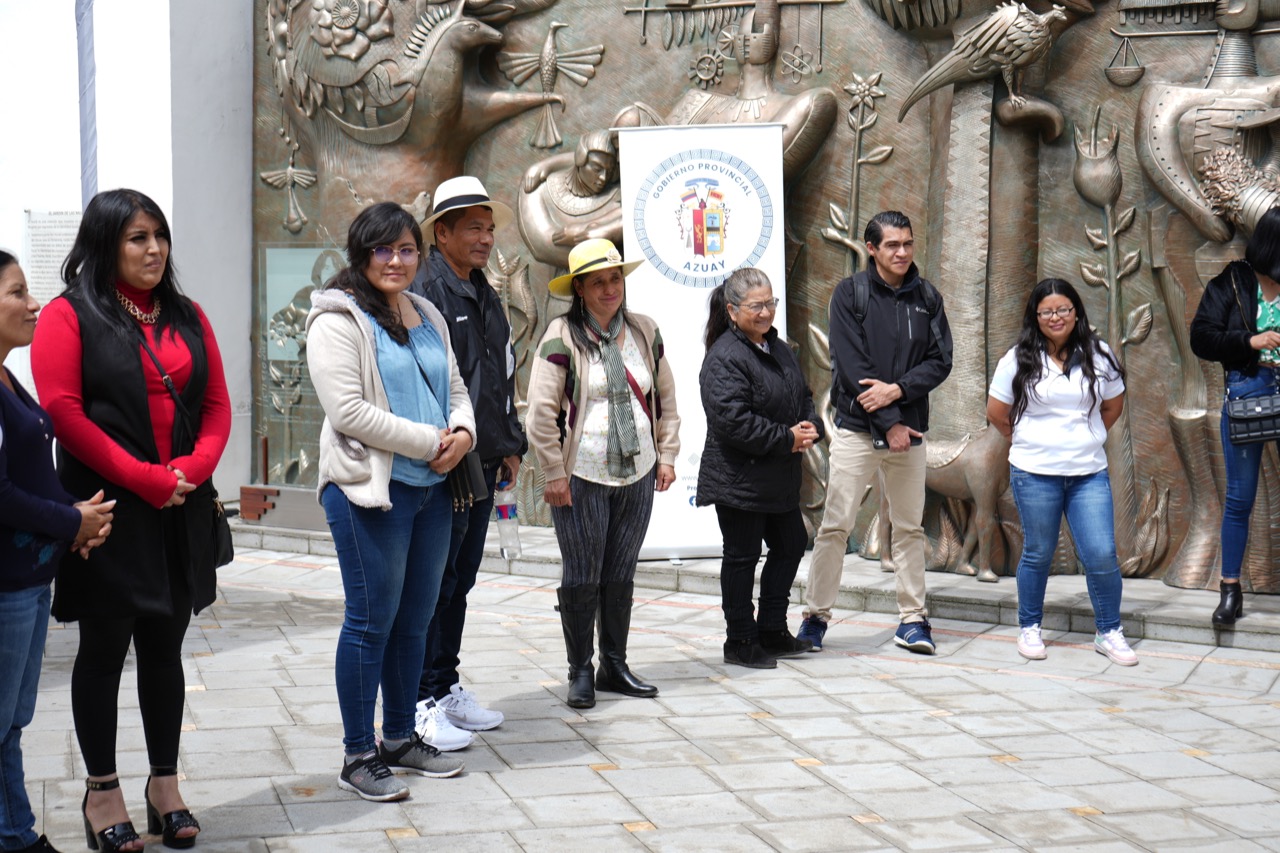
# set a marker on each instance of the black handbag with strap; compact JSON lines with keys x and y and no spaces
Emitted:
{"x":223,"y":548}
{"x":1251,"y":420}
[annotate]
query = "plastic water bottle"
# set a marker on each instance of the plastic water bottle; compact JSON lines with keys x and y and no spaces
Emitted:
{"x":504,"y":506}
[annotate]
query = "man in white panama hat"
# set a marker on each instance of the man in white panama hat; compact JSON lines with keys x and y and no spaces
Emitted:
{"x":461,"y":230}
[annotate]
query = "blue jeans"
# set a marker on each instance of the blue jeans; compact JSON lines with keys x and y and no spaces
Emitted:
{"x":391,"y":563}
{"x":1243,"y":464}
{"x":466,"y":550}
{"x":24,"y":621}
{"x":1086,"y":499}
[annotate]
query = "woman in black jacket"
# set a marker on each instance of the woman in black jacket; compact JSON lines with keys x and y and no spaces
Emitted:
{"x":760,"y":420}
{"x":1238,"y":325}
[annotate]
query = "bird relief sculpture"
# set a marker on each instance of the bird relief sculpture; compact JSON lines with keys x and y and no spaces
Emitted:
{"x":1008,"y":41}
{"x":374,"y":89}
{"x":578,"y":65}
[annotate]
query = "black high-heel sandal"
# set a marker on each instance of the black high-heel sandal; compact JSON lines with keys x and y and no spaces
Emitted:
{"x":112,"y":838}
{"x":169,"y":825}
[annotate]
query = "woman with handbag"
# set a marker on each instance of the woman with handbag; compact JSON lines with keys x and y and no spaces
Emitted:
{"x":397,"y":420}
{"x":1238,"y":325}
{"x":760,"y":422}
{"x":602,"y":422}
{"x":38,"y":522}
{"x":1055,"y":395}
{"x":130,"y":372}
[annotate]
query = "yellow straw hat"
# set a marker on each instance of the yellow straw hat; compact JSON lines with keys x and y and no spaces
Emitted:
{"x":587,"y":257}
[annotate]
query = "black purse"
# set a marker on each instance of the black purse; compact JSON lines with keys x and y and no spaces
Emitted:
{"x":466,"y":482}
{"x":223,"y":549}
{"x":1251,"y":420}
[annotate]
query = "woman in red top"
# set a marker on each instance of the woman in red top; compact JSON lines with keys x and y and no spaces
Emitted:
{"x":104,"y":353}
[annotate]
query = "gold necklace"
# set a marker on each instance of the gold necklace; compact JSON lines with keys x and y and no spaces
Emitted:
{"x":149,"y":318}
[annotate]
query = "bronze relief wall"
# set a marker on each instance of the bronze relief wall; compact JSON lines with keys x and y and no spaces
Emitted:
{"x":1123,"y":147}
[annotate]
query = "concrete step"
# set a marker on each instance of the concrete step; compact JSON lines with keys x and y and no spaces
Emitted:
{"x":1150,"y":609}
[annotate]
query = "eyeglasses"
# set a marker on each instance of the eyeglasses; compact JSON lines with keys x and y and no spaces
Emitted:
{"x":1056,"y":312}
{"x":384,"y":254}
{"x":759,"y":307}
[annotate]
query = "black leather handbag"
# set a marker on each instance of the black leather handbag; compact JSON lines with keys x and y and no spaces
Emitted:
{"x":466,"y":482}
{"x":1253,"y":419}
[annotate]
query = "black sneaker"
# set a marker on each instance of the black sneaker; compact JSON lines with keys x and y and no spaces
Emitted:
{"x":748,"y":653}
{"x":781,"y":644}
{"x":916,"y":637}
{"x":370,"y":777}
{"x":417,"y":756}
{"x":813,"y":629}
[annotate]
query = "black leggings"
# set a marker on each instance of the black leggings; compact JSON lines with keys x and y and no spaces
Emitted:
{"x":95,"y":683}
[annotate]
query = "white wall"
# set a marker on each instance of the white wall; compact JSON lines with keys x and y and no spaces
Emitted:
{"x":40,"y":145}
{"x":212,"y":103}
{"x":174,"y":116}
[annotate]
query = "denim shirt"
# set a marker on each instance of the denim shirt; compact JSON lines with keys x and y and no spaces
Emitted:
{"x":416,"y":379}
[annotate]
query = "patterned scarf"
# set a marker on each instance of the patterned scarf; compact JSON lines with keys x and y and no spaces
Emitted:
{"x":624,"y":444}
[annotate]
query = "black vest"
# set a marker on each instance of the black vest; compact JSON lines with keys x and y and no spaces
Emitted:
{"x":153,"y":557}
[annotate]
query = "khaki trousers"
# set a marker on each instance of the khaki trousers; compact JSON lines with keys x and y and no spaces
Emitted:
{"x":853,"y":464}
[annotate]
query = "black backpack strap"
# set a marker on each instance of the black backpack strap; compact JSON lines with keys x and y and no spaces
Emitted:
{"x":933,"y":304}
{"x":861,"y":298}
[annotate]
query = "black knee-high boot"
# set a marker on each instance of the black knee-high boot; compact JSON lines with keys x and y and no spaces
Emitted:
{"x":577,"y":617}
{"x":615,"y":623}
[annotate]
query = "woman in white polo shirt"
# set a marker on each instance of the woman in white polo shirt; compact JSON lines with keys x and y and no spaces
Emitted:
{"x":1055,"y":395}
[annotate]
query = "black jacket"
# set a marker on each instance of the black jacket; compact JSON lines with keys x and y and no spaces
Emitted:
{"x":894,"y":344}
{"x":1223,"y":326}
{"x":752,"y":399}
{"x":481,"y":339}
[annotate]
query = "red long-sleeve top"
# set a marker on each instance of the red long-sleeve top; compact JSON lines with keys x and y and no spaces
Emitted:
{"x":56,"y":355}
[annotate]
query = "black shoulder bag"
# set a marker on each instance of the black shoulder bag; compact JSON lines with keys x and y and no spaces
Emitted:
{"x":223,"y":549}
{"x":1252,"y":419}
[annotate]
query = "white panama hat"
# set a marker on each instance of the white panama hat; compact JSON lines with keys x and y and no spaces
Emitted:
{"x":460,"y":193}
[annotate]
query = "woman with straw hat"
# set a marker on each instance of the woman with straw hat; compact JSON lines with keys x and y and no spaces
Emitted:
{"x":602,"y":422}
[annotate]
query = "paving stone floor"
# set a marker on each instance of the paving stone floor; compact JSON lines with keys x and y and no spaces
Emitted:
{"x":861,"y":747}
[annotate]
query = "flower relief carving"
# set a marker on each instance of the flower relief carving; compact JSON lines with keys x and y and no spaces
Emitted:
{"x":346,"y":28}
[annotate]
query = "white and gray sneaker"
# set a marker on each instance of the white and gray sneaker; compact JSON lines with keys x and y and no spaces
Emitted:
{"x":465,"y":712}
{"x":414,"y":756}
{"x":1115,"y":647}
{"x":369,"y":776}
{"x":433,"y":726}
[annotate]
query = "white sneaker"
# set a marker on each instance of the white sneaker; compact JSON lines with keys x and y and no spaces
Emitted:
{"x":466,"y":713}
{"x":1030,"y":644}
{"x":1114,"y":646}
{"x":433,"y":726}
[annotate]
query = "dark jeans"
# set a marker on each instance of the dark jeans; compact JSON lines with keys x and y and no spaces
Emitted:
{"x":1243,"y":461}
{"x":391,"y":562}
{"x":24,"y":623}
{"x":444,"y":635}
{"x":742,"y":530}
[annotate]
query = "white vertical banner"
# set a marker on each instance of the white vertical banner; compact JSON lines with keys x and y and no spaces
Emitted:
{"x":698,"y":202}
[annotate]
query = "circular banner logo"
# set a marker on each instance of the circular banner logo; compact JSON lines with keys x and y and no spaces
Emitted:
{"x":700,"y":215}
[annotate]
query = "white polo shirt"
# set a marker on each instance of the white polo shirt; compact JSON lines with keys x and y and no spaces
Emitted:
{"x":1058,"y":434}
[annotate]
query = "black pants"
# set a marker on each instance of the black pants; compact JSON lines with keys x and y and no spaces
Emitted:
{"x":743,"y":530}
{"x":95,"y":683}
{"x":444,"y":635}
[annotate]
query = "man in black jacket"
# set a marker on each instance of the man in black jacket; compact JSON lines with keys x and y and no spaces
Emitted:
{"x":461,"y":228}
{"x":890,"y":346}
